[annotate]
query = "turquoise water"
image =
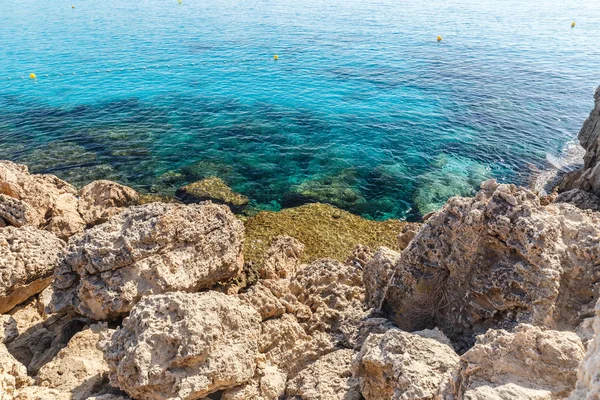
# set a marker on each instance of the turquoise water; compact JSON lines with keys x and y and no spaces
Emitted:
{"x":364,"y":108}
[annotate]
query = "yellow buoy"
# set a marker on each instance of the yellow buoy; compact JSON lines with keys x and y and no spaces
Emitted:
{"x":572,"y":24}
{"x":439,"y":39}
{"x":179,"y":1}
{"x":275,"y":57}
{"x":32,"y":76}
{"x":72,"y":6}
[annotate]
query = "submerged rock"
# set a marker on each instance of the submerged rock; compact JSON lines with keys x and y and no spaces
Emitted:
{"x":213,"y":189}
{"x":28,"y":257}
{"x":324,"y":230}
{"x":496,"y":260}
{"x":530,"y":363}
{"x":402,"y":365}
{"x":148,"y":249}
{"x":588,"y":177}
{"x":184,"y":345}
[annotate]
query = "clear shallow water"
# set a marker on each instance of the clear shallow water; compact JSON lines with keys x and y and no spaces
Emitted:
{"x":363,"y":107}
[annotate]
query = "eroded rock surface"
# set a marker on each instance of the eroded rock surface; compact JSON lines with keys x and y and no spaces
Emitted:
{"x":184,"y":345}
{"x":401,"y":365}
{"x":47,"y":202}
{"x":79,"y":368}
{"x":328,"y":378}
{"x":533,"y":362}
{"x":580,"y":199}
{"x":148,"y":249}
{"x":496,"y":260}
{"x":377,"y":274}
{"x":587,"y":178}
{"x":588,"y":382}
{"x":13,"y":375}
{"x":282,"y":258}
{"x":28,"y":257}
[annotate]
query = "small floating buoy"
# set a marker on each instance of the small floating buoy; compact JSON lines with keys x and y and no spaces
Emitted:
{"x":32,"y":76}
{"x":73,"y":6}
{"x":179,"y":1}
{"x":439,"y":38}
{"x":572,"y":24}
{"x":275,"y":57}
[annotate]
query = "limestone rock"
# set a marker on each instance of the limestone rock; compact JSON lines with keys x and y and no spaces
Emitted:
{"x":50,"y":197}
{"x":328,"y":378}
{"x":102,"y":199}
{"x":18,"y":213}
{"x":13,"y":375}
{"x":496,"y":260}
{"x":8,"y":329}
{"x":47,"y":202}
{"x":580,"y":199}
{"x":213,"y":189}
{"x":79,"y":368}
{"x":409,"y":231}
{"x":39,"y":343}
{"x":28,"y":257}
{"x":528,"y":360}
{"x":264,"y":299}
{"x":360,"y":256}
{"x":377,"y":275}
{"x":587,"y":178}
{"x":267,"y":384}
{"x":41,"y":393}
{"x":402,"y":365}
{"x":330,"y":298}
{"x":588,"y":382}
{"x":184,"y":345}
{"x":149,"y":249}
{"x":285,"y":344}
{"x":282,"y":258}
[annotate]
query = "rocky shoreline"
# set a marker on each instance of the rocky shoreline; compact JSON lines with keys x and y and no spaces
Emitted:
{"x":107,"y":295}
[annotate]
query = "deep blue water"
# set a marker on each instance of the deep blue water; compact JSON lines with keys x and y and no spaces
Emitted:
{"x":364,"y":107}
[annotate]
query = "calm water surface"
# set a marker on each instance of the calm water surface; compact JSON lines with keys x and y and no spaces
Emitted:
{"x":363,"y":108}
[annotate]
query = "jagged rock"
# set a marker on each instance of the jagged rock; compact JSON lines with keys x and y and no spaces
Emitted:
{"x":18,"y":213}
{"x":102,"y":199}
{"x":267,"y":384}
{"x":409,"y":231}
{"x":47,"y":202}
{"x":28,"y":257}
{"x":37,"y":345}
{"x":8,"y":329}
{"x":213,"y":189}
{"x":285,"y":344}
{"x":184,"y":345}
{"x":588,"y":382}
{"x":496,"y":260}
{"x":360,"y":256}
{"x":328,"y":378}
{"x":147,"y":249}
{"x":264,"y":299}
{"x":282,"y":258}
{"x":580,"y":199}
{"x":13,"y":375}
{"x":79,"y":368}
{"x":402,"y":365}
{"x":541,"y":363}
{"x":330,"y":298}
{"x":377,"y":274}
{"x":51,"y":198}
{"x":41,"y":393}
{"x":587,"y":178}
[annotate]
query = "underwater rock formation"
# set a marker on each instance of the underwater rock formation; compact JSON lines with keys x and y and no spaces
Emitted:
{"x":213,"y":189}
{"x":324,"y":230}
{"x":149,"y":249}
